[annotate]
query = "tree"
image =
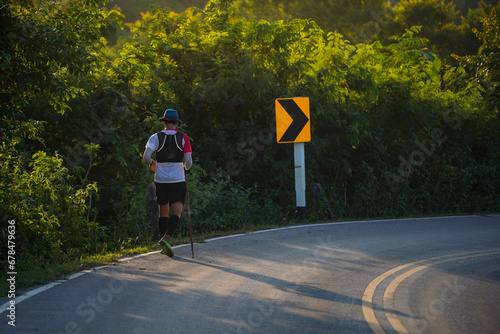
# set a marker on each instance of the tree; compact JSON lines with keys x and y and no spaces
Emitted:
{"x":356,"y":20}
{"x":486,"y":64}
{"x":45,"y":48}
{"x":394,"y":131}
{"x":42,"y":45}
{"x":437,"y":19}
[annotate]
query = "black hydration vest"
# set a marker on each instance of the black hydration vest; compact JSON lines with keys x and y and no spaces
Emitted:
{"x":170,"y":147}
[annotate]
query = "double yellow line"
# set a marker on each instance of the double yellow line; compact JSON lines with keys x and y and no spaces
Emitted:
{"x":367,"y":301}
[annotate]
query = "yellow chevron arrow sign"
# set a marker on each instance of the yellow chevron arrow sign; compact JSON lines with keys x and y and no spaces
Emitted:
{"x":293,"y":120}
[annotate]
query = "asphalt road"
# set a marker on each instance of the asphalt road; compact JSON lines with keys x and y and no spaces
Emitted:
{"x":431,"y":275}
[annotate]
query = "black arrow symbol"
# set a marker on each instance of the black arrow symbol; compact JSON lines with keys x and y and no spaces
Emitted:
{"x":298,"y":123}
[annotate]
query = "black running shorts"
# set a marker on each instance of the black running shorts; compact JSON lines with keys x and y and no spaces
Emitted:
{"x":170,"y":192}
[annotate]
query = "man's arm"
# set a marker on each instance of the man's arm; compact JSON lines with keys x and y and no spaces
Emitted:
{"x":186,"y":146}
{"x":188,"y":161}
{"x":148,"y":152}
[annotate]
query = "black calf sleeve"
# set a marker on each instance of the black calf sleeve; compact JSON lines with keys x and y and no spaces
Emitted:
{"x":162,"y":225}
{"x":173,"y":221}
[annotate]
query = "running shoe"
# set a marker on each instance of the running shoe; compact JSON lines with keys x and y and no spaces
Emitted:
{"x":166,"y":248}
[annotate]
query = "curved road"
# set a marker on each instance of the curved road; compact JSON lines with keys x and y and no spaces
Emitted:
{"x":429,"y":275}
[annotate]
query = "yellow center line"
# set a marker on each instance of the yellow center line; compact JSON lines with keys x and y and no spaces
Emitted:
{"x":391,"y":289}
{"x":367,"y":300}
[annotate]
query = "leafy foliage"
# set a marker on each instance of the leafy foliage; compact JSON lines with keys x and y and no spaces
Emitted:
{"x":43,"y":45}
{"x":486,"y":62}
{"x":396,"y":129}
{"x":51,"y":215}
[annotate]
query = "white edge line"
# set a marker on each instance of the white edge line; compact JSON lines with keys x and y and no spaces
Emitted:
{"x":43,"y":288}
{"x":334,"y":223}
{"x":27,"y":295}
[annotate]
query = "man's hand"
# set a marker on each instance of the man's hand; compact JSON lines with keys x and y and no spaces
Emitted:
{"x":152,"y":167}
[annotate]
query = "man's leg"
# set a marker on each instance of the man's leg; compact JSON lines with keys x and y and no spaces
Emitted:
{"x":173,"y":221}
{"x":163,"y":223}
{"x":163,"y":219}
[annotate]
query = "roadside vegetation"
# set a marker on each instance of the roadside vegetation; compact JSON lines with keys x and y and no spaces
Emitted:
{"x":404,"y":116}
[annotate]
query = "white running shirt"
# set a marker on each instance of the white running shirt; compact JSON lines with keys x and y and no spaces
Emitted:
{"x":169,"y":172}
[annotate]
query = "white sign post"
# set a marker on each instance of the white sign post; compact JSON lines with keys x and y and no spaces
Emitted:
{"x":300,"y":179}
{"x":293,"y":126}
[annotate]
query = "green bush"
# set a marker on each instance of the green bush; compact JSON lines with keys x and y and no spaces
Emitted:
{"x":50,"y":212}
{"x":222,"y":205}
{"x":373,"y":107}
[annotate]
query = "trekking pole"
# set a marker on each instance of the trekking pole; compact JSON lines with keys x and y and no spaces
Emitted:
{"x":189,"y":216}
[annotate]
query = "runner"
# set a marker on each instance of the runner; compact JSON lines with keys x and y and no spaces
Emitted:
{"x":172,"y":148}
